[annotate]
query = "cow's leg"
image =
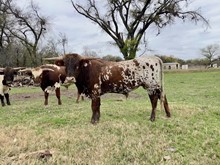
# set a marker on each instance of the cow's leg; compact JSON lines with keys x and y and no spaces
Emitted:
{"x":78,"y":96}
{"x":95,"y":110}
{"x":58,"y":96}
{"x":166,"y":107}
{"x":153,"y":99}
{"x":2,"y":100}
{"x":46,"y":95}
{"x":7,"y":98}
{"x":82,"y":98}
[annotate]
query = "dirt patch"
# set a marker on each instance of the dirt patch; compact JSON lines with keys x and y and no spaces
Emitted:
{"x":36,"y":95}
{"x":70,"y":93}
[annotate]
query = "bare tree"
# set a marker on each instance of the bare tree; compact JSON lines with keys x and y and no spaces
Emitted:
{"x":7,"y":40}
{"x":28,"y":26}
{"x":211,"y":53}
{"x":126,"y":21}
{"x":64,"y":41}
{"x":88,"y":52}
{"x":5,"y":36}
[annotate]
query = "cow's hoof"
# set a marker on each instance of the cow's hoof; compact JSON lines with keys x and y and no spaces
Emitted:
{"x":169,"y":115}
{"x":94,"y":121}
{"x":152,"y":119}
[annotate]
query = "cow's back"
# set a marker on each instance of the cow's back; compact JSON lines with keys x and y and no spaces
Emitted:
{"x":122,"y":77}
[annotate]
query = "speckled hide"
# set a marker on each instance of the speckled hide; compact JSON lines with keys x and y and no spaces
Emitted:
{"x":95,"y":77}
{"x":123,"y":77}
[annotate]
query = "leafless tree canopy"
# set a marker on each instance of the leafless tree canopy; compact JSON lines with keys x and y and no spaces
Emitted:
{"x":24,"y":25}
{"x":127,"y":20}
{"x":211,"y":53}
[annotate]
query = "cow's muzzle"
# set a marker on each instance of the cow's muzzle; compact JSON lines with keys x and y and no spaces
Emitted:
{"x":70,"y":80}
{"x":9,"y":83}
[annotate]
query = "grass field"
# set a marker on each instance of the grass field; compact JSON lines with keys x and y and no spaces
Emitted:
{"x":124,"y":134}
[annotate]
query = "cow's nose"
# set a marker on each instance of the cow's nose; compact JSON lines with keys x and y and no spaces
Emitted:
{"x":70,"y":80}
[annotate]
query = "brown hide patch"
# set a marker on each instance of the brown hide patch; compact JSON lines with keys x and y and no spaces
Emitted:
{"x":136,"y":62}
{"x":87,"y":76}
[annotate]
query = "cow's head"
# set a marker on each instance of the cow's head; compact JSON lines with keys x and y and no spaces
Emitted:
{"x":9,"y":73}
{"x":72,"y":62}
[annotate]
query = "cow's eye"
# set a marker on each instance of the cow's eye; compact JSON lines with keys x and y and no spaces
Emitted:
{"x":75,"y":67}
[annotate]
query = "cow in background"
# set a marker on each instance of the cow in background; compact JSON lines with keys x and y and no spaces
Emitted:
{"x":67,"y":84}
{"x":95,"y":78}
{"x":50,"y":77}
{"x":6,"y":80}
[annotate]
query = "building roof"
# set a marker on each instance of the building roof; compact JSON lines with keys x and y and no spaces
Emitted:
{"x":170,"y":63}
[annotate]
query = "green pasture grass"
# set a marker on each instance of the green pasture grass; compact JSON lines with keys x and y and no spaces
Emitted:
{"x":124,"y":135}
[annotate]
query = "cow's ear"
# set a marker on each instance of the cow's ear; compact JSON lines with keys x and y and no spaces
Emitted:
{"x":59,"y":62}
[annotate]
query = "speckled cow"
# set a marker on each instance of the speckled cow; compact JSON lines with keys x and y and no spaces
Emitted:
{"x":94,"y":77}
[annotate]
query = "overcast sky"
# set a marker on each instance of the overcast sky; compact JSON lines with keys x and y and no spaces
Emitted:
{"x":182,"y":40}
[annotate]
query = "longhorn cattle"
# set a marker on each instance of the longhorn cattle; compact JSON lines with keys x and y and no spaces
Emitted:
{"x":50,"y":78}
{"x":93,"y":77}
{"x":6,"y":79}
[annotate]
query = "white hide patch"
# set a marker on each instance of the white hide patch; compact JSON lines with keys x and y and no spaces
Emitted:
{"x":51,"y":89}
{"x":96,"y":86}
{"x":57,"y":85}
{"x":36,"y":72}
{"x":3,"y":88}
{"x":106,"y":77}
{"x":70,"y":80}
{"x":86,"y":64}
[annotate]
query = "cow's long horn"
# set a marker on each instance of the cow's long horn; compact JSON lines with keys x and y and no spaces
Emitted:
{"x":18,"y":68}
{"x":47,"y":69}
{"x":53,"y":58}
{"x":26,"y":70}
{"x":2,"y":69}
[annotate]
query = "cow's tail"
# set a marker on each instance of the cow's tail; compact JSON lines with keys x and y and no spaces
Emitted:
{"x":162,"y":93}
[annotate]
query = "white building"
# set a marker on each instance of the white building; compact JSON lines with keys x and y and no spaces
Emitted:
{"x":171,"y":65}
